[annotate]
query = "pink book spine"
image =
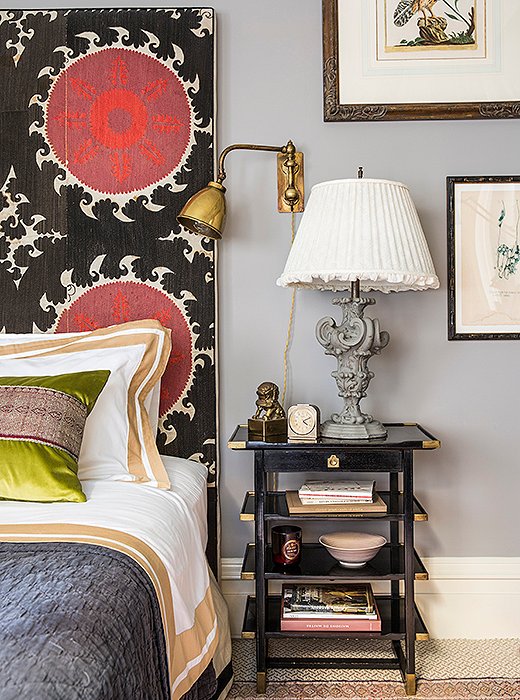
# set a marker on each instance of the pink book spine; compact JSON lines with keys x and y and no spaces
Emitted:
{"x":305,"y":624}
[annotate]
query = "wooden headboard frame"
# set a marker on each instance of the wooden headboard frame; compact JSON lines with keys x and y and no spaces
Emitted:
{"x":106,"y":129}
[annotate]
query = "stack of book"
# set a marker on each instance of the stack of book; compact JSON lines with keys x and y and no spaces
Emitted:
{"x":342,"y":608}
{"x":336,"y":492}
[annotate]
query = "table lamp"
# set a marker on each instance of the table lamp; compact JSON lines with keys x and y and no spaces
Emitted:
{"x":357,"y":234}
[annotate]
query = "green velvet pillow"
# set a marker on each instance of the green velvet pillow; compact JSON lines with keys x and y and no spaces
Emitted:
{"x":42,"y":420}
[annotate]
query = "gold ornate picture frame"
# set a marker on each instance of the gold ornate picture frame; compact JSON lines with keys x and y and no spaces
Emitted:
{"x":420,"y":59}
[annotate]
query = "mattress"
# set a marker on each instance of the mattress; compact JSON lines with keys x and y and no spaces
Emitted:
{"x":166,"y":533}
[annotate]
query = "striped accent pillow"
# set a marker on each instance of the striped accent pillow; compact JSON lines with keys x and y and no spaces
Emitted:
{"x":42,"y":420}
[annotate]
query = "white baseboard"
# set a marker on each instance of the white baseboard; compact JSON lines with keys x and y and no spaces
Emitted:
{"x":464,"y":598}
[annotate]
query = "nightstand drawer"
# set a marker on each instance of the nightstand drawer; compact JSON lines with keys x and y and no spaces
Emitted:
{"x":332,"y":460}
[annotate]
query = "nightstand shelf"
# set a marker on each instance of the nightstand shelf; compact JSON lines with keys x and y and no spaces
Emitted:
{"x":317,"y":566}
{"x":276,"y":509}
{"x":401,"y":436}
{"x":397,"y":566}
{"x":393,"y":625}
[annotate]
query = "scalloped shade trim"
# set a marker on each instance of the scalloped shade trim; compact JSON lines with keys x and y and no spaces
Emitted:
{"x":360,"y":229}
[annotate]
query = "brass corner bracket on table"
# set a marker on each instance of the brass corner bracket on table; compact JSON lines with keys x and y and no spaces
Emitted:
{"x":248,"y":517}
{"x":237,"y":444}
{"x":431,"y":444}
{"x":427,"y":444}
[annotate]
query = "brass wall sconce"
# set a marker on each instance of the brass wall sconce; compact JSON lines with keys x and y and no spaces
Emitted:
{"x":205,"y":212}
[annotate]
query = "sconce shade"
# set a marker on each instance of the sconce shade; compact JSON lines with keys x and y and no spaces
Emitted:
{"x":361,"y":229}
{"x":205,"y":212}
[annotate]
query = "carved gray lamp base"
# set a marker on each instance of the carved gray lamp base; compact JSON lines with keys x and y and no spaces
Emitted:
{"x":353,"y":431}
{"x":353,"y":342}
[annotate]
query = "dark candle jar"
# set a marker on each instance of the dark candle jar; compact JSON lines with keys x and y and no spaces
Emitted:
{"x":287,"y":543}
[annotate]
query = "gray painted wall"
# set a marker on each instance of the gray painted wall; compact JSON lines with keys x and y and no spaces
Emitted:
{"x":269,"y":90}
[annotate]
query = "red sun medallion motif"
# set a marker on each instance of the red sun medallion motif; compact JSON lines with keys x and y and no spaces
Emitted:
{"x":119,"y":120}
{"x":119,"y":302}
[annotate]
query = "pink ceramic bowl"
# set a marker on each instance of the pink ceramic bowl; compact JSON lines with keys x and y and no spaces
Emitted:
{"x":352,"y":549}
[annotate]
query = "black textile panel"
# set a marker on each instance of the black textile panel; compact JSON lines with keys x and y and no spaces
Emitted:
{"x":106,"y":129}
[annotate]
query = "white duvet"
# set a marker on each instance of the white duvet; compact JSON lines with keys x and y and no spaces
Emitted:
{"x":173,"y":523}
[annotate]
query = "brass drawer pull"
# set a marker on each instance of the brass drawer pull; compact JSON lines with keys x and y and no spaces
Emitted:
{"x":333,"y":462}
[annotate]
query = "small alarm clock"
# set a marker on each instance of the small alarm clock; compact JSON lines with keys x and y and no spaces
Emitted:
{"x":303,"y":423}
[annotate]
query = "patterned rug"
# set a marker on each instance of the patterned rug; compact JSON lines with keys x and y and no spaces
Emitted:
{"x":447,"y":669}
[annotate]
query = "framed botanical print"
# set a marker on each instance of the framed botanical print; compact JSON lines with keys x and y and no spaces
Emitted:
{"x":483,"y":258}
{"x":421,"y":59}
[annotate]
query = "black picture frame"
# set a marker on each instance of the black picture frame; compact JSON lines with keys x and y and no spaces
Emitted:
{"x":455,"y":227}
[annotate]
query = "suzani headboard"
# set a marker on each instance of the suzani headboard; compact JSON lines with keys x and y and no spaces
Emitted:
{"x":106,"y":129}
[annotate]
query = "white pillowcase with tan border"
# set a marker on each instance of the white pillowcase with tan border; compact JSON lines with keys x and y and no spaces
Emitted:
{"x":119,"y":440}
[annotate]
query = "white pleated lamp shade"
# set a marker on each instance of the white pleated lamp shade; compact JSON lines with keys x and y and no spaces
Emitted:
{"x":360,"y":229}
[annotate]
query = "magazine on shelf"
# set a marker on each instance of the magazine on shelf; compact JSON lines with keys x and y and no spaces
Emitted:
{"x":320,"y":625}
{"x":336,"y":490}
{"x":339,"y":623}
{"x":296,"y":507}
{"x":348,"y":601}
{"x":331,"y":500}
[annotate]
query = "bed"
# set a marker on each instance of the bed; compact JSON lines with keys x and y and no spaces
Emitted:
{"x":105,"y":588}
{"x":107,"y":129}
{"x":114,"y":600}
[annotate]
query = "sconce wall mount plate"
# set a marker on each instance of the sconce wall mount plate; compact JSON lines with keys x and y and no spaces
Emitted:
{"x":290,"y":169}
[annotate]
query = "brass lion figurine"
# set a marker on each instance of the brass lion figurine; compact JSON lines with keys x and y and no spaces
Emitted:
{"x":267,"y":405}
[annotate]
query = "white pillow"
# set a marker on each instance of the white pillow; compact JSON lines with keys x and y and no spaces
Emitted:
{"x":152,"y":401}
{"x":119,"y":441}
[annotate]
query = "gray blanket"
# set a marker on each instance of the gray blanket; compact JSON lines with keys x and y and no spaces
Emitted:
{"x":79,"y":622}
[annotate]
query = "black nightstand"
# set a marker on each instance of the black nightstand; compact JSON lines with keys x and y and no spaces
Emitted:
{"x":396,"y":562}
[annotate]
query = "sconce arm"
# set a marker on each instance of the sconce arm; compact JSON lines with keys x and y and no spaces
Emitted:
{"x":243,"y":147}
